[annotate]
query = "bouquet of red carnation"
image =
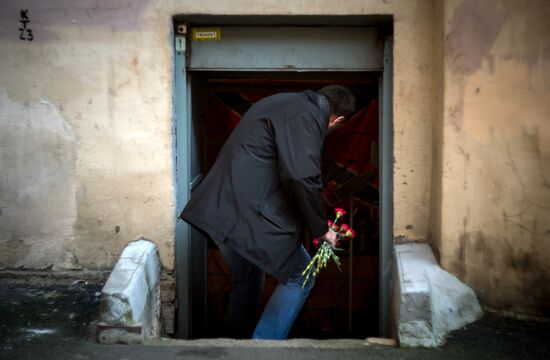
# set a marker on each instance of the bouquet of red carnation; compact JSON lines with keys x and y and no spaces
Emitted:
{"x":326,"y":249}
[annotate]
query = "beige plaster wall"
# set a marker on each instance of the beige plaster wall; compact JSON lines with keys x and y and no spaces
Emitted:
{"x":86,"y":146}
{"x":495,"y":185}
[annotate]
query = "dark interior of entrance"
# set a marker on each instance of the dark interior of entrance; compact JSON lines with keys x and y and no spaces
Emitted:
{"x":343,"y":304}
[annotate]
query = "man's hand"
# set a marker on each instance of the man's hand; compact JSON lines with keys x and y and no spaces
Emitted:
{"x":330,"y":236}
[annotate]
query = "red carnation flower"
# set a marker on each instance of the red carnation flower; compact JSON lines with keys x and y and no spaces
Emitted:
{"x":339,"y":212}
{"x":344,"y":228}
{"x":316,"y":243}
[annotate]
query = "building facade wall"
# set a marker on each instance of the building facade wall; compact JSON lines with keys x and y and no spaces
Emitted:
{"x":495,"y":151}
{"x":86,"y":132}
{"x":86,"y":143}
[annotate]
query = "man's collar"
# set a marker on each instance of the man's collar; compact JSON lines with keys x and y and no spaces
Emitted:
{"x":321,"y":101}
{"x":323,"y":104}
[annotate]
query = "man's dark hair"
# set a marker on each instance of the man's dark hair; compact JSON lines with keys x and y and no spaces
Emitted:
{"x":341,"y":100}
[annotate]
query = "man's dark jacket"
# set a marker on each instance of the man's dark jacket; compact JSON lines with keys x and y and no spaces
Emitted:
{"x":266,"y":182}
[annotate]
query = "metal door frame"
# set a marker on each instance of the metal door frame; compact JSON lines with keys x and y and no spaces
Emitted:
{"x":386,"y":189}
{"x":182,"y":171}
{"x":182,"y":144}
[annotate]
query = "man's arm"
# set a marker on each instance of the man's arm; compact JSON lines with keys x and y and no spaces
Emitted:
{"x":299,"y":143}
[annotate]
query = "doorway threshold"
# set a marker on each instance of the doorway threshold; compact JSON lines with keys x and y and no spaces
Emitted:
{"x":290,"y":343}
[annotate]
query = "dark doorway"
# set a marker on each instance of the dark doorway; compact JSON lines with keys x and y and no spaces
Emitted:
{"x":342,"y":304}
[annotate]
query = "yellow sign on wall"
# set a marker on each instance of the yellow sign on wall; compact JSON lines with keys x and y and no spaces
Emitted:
{"x":206,"y":34}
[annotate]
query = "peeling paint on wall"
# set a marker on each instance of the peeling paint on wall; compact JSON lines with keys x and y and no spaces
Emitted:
{"x":37,"y":184}
{"x":114,"y":14}
{"x":473,"y":30}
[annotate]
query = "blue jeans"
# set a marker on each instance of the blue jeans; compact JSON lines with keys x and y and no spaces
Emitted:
{"x":283,"y":306}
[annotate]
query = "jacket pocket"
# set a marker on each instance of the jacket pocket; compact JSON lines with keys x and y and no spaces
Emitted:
{"x":285,"y":224}
{"x":278,"y":212}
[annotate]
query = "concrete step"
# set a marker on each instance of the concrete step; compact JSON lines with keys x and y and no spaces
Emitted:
{"x":130,"y":300}
{"x":428,"y":301}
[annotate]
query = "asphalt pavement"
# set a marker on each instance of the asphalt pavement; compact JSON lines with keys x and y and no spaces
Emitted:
{"x":54,"y":320}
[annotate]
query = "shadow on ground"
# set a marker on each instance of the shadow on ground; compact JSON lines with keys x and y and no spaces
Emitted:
{"x":49,"y":320}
